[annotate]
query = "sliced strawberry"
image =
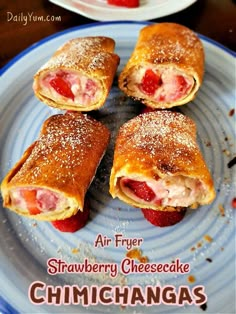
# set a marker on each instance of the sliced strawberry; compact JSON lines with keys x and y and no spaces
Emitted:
{"x":161,"y":97}
{"x":125,"y":3}
{"x":233,"y":202}
{"x":140,"y":189}
{"x":62,"y":74}
{"x":62,"y":87}
{"x":73,"y":223}
{"x":163,"y":218}
{"x":150,"y":82}
{"x":91,"y":88}
{"x":181,"y":83}
{"x":31,"y":201}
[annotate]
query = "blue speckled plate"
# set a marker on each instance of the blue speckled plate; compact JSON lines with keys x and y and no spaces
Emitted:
{"x":205,"y":238}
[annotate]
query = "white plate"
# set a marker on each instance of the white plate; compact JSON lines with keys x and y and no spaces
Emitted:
{"x":26,"y":247}
{"x":101,"y":11}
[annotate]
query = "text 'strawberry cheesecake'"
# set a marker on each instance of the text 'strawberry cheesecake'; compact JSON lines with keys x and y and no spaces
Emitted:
{"x":166,"y":67}
{"x":79,"y":75}
{"x":51,"y":179}
{"x":158,"y":165}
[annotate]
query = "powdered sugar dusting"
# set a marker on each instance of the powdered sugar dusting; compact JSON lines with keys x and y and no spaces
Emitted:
{"x":159,"y":132}
{"x":66,"y":142}
{"x":176,"y":50}
{"x":71,"y":134}
{"x":82,"y":50}
{"x":174,"y":43}
{"x":99,"y":61}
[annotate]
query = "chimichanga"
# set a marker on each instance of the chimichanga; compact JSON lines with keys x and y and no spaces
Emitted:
{"x":79,"y":75}
{"x":166,"y":67}
{"x":50,"y":181}
{"x":158,"y":165}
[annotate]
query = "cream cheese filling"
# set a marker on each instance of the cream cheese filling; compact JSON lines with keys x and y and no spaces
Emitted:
{"x":168,"y":91}
{"x":170,"y":191}
{"x":45,"y":200}
{"x":86,"y":91}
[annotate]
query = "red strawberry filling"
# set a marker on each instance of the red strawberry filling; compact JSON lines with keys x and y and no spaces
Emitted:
{"x":91,"y":88}
{"x":233,"y":202}
{"x":47,"y":200}
{"x":31,"y":201}
{"x":181,"y":83}
{"x":70,"y":87}
{"x":164,"y":86}
{"x":150,"y":82}
{"x":73,"y":223}
{"x":62,"y":86}
{"x":36,"y":200}
{"x":125,"y":3}
{"x":163,"y":218}
{"x":140,"y":189}
{"x":174,"y":191}
{"x":146,"y":109}
{"x":159,"y":84}
{"x":179,"y":86}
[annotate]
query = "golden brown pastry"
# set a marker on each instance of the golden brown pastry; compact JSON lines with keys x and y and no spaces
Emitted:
{"x":79,"y":75}
{"x":166,"y":67}
{"x":50,"y":181}
{"x":158,"y":165}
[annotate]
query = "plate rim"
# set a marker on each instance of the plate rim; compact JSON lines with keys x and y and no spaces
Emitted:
{"x":4,"y":305}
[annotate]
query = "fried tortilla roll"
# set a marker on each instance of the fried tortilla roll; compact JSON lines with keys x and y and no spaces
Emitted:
{"x":49,"y":182}
{"x":158,"y":165}
{"x":166,"y":67}
{"x":79,"y":75}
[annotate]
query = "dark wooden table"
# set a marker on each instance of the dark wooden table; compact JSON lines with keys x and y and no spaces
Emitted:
{"x":215,"y":19}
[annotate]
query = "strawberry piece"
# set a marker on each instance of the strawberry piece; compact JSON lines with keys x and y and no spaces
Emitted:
{"x":161,"y":97}
{"x":62,"y":87}
{"x":73,"y":223}
{"x":91,"y":88}
{"x":163,"y":218}
{"x":140,"y":189}
{"x":150,"y":82}
{"x":31,"y":201}
{"x":181,"y":84}
{"x":125,"y":3}
{"x":146,"y":109}
{"x":47,"y":200}
{"x":233,"y":202}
